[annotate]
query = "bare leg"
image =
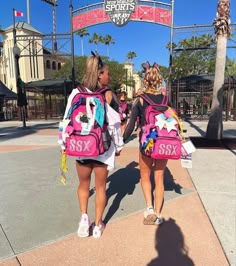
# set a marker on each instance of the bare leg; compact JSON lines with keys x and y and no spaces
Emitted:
{"x":101,"y":174}
{"x":159,"y":169}
{"x":145,"y":164}
{"x":84,"y":175}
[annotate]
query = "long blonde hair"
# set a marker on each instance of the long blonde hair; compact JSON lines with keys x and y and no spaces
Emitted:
{"x":152,"y":77}
{"x":94,"y":66}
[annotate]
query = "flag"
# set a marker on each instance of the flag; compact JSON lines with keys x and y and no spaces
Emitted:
{"x":19,"y":14}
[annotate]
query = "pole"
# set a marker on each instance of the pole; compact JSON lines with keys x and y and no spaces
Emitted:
{"x":171,"y":49}
{"x":54,"y":26}
{"x":72,"y":47}
{"x":17,"y":70}
{"x":126,"y":87}
{"x":28,"y":11}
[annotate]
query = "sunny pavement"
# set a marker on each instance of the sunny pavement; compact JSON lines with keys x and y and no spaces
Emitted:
{"x":39,"y":216}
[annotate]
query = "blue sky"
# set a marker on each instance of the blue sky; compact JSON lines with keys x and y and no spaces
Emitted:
{"x":146,"y":39}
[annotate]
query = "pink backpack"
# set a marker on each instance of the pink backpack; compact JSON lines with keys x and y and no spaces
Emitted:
{"x":87,"y":134}
{"x":161,"y":133}
{"x":123,"y":110}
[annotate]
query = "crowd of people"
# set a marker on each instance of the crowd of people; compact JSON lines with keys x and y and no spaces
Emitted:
{"x":131,"y":118}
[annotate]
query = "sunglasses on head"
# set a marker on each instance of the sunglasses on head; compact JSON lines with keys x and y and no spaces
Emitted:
{"x":100,"y":63}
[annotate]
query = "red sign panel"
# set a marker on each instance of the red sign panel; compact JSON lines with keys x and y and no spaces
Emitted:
{"x":142,"y":13}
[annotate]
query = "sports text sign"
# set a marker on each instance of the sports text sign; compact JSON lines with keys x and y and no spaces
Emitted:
{"x":120,"y":11}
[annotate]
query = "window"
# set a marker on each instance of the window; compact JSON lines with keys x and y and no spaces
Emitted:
{"x":48,"y":64}
{"x":54,"y":66}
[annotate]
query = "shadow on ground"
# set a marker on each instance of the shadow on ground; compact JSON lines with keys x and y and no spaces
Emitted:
{"x":123,"y":182}
{"x":13,"y":132}
{"x":170,"y":246}
{"x":203,"y":143}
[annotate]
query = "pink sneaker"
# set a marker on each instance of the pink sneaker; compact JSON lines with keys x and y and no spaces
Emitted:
{"x":98,"y":229}
{"x":84,"y":224}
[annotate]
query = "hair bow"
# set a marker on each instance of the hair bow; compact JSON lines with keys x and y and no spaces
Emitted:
{"x":100,"y":63}
{"x":155,"y":65}
{"x":146,"y":65}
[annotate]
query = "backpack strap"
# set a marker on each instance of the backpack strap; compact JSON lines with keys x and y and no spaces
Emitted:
{"x":147,"y":99}
{"x":81,"y":89}
{"x":102,"y":90}
{"x":164,"y":100}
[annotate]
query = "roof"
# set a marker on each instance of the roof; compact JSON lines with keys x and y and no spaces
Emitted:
{"x":24,"y":26}
{"x":56,"y":86}
{"x":205,"y":78}
{"x":7,"y":93}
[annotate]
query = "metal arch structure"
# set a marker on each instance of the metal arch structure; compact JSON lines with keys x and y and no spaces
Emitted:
{"x":150,"y":11}
{"x":145,"y":11}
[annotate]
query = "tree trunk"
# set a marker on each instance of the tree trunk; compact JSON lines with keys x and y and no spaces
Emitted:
{"x":82,"y":46}
{"x":215,"y":124}
{"x":108,"y":54}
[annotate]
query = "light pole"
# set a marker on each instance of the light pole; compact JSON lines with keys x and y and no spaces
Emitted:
{"x":21,"y":97}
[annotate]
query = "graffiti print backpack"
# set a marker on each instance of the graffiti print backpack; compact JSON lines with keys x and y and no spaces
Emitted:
{"x":86,"y":133}
{"x":161,"y":134}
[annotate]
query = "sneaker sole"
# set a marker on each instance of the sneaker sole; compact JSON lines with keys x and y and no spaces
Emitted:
{"x":98,"y":236}
{"x":83,"y":232}
{"x":159,"y":223}
{"x":150,"y":219}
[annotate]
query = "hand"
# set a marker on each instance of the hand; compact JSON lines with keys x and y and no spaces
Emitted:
{"x":117,"y":153}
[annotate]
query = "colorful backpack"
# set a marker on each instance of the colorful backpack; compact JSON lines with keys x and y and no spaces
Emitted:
{"x":123,"y":106}
{"x":86,"y":133}
{"x":161,"y":134}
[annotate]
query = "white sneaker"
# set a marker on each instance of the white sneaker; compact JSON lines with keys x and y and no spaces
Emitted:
{"x":98,"y":229}
{"x":84,"y":224}
{"x":159,"y":220}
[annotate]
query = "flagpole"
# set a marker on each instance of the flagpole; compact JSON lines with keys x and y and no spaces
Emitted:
{"x":16,"y":56}
{"x":14,"y":26}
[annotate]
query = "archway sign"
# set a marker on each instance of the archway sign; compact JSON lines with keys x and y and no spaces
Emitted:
{"x":120,"y":12}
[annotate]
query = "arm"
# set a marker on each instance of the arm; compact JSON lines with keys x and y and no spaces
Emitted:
{"x":133,"y":117}
{"x":108,"y":96}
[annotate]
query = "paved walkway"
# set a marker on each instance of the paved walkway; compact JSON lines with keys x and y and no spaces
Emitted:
{"x":39,"y":216}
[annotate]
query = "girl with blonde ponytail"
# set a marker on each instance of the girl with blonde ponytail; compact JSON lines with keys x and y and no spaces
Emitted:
{"x":152,"y":83}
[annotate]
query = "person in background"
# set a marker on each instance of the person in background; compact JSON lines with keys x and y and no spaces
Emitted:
{"x":123,"y":110}
{"x":152,"y":83}
{"x":96,"y":77}
{"x":139,"y":92}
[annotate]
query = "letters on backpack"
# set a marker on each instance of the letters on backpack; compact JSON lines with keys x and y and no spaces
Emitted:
{"x":86,"y":133}
{"x":161,"y":133}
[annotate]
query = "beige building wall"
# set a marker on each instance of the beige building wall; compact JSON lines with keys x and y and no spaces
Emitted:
{"x":36,"y":62}
{"x":138,"y":82}
{"x":31,"y":61}
{"x":131,"y":74}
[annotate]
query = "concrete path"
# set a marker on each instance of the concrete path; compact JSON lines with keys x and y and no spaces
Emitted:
{"x":39,"y":216}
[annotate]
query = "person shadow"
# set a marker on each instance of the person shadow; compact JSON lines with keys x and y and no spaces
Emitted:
{"x":170,"y":246}
{"x":169,"y":184}
{"x":121,"y":183}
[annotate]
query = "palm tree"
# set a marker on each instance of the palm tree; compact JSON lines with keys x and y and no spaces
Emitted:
{"x":221,"y":23}
{"x":82,"y":32}
{"x":131,"y":55}
{"x":95,"y":39}
{"x":107,"y":40}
